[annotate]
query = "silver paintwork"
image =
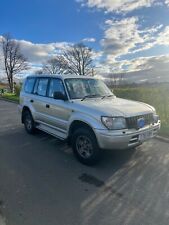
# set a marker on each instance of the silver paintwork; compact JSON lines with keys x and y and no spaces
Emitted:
{"x":57,"y":119}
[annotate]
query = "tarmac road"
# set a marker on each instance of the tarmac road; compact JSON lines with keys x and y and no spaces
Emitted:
{"x":41,"y":183}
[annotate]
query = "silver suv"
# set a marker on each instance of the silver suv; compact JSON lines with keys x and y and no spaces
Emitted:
{"x":83,"y":111}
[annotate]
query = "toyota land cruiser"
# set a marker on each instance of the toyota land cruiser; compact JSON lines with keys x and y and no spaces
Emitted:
{"x":83,"y":111}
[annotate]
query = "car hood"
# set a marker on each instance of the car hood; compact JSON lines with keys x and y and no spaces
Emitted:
{"x":113,"y":107}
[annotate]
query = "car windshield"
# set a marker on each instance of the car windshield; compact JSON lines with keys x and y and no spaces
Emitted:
{"x":86,"y":88}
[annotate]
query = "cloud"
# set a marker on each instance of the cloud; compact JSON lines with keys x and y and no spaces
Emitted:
{"x":167,"y":2}
{"x":88,"y":40}
{"x":127,"y":36}
{"x":163,"y":37}
{"x":153,"y":63}
{"x":120,"y":36}
{"x":152,"y":69}
{"x":149,"y":36}
{"x":154,"y":38}
{"x":117,"y":5}
{"x":37,"y":53}
{"x":123,"y":37}
{"x":143,"y":69}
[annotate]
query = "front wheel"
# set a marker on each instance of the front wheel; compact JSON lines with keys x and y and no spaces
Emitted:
{"x":28,"y":122}
{"x":85,"y":147}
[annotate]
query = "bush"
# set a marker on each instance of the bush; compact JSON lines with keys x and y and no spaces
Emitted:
{"x":17,"y":89}
{"x":155,"y":96}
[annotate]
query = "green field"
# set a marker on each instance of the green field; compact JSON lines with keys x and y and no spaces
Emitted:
{"x":157,"y":96}
{"x":11,"y":97}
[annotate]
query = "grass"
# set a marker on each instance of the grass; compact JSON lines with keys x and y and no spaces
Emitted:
{"x":10,"y":96}
{"x":157,"y":96}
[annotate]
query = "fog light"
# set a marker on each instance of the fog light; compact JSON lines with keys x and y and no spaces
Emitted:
{"x":156,"y":118}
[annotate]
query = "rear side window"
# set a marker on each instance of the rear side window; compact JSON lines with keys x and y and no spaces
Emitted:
{"x":42,"y":86}
{"x":29,"y":84}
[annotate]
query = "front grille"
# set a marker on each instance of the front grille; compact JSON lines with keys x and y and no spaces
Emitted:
{"x":132,"y":121}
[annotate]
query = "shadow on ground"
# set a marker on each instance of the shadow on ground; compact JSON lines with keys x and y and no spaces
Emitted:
{"x":127,"y":187}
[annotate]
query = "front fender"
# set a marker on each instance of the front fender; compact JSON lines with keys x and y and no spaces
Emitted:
{"x":94,"y":123}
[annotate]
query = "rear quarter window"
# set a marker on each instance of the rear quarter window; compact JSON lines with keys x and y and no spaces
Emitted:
{"x":29,"y":84}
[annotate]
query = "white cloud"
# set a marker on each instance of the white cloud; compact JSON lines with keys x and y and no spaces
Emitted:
{"x":154,"y":63}
{"x":37,"y":53}
{"x":167,"y":2}
{"x":117,"y":5}
{"x":152,"y":69}
{"x":155,"y":38}
{"x":163,"y":38}
{"x":121,"y":36}
{"x":149,"y":36}
{"x":88,"y":40}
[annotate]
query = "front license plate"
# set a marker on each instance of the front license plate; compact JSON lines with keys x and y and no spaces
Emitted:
{"x":145,"y":136}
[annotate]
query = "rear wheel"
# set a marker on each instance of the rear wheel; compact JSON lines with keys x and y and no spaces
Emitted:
{"x":28,"y":122}
{"x":85,"y":146}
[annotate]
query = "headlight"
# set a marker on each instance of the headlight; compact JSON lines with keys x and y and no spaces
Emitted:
{"x":156,"y":118}
{"x":114,"y":123}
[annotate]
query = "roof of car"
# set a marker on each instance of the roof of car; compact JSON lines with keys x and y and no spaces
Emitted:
{"x":63,"y":76}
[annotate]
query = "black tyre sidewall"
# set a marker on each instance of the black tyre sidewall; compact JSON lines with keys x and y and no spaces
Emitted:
{"x":96,"y":153}
{"x":28,"y":114}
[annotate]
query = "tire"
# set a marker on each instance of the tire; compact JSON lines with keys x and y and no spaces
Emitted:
{"x":28,"y":122}
{"x":85,"y":147}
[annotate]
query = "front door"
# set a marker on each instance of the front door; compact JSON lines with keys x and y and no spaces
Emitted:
{"x":58,"y":111}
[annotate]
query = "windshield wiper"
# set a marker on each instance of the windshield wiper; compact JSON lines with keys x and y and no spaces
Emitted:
{"x":107,"y":96}
{"x":90,"y":96}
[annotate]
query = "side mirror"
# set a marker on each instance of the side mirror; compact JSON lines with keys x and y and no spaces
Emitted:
{"x":59,"y":96}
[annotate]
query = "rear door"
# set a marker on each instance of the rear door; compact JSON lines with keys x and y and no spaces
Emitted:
{"x":40,"y":99}
{"x":26,"y":95}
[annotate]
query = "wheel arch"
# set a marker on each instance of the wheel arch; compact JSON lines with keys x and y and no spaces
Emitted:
{"x":78,"y":124}
{"x":25,"y":108}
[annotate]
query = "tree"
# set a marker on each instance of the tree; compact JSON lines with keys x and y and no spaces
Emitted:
{"x":14,"y":60}
{"x":55,"y":65}
{"x":78,"y":59}
{"x":39,"y":72}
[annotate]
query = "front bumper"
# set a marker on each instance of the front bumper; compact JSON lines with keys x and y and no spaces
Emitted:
{"x":124,"y":139}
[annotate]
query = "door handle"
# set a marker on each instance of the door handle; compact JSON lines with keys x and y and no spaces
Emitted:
{"x":31,"y":101}
{"x":47,"y":106}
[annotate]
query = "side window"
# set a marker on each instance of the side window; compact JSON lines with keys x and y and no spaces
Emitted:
{"x":56,"y":85}
{"x":36,"y":86}
{"x":42,"y":86}
{"x":29,"y":84}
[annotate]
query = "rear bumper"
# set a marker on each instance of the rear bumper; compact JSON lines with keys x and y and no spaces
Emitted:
{"x":126,"y":138}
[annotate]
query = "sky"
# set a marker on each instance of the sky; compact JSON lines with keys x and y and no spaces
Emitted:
{"x":127,"y":36}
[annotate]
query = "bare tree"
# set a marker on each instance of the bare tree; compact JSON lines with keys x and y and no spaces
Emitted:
{"x":79,"y":59}
{"x":39,"y":72}
{"x":121,"y":78}
{"x":55,"y":65}
{"x":14,"y":60}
